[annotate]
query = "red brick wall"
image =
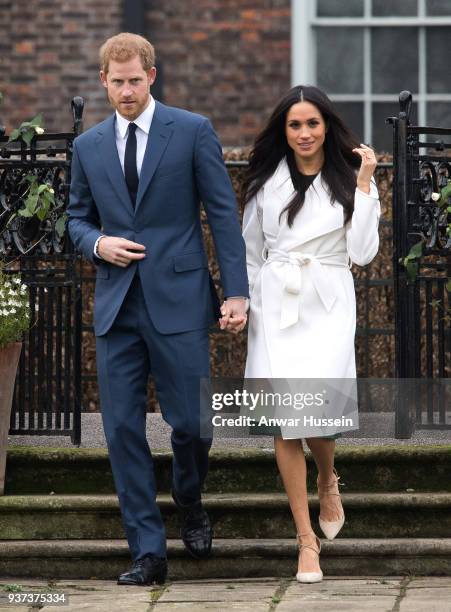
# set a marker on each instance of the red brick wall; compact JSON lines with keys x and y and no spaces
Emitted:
{"x":52,"y":56}
{"x":228,"y":59}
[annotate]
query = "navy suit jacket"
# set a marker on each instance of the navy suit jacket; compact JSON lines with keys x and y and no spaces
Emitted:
{"x":182,"y":167}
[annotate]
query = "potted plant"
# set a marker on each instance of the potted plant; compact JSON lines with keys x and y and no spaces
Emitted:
{"x":14,"y":321}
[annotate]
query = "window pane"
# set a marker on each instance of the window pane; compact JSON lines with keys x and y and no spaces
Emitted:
{"x":342,"y":70}
{"x":387,"y":8}
{"x":382,"y":132}
{"x":338,"y":8}
{"x":439,"y":115}
{"x":352,"y":115}
{"x":394,"y":60}
{"x":438,"y":52}
{"x":438,"y":7}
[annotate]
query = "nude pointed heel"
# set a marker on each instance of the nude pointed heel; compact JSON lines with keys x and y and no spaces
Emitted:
{"x":330,"y":528}
{"x":309,"y":577}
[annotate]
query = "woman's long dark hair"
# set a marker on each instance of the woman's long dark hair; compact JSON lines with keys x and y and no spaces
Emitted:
{"x":340,"y":163}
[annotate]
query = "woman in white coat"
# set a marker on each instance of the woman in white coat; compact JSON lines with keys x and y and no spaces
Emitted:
{"x":311,"y":210}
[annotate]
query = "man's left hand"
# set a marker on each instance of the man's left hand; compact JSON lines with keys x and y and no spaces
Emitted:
{"x":234,"y":315}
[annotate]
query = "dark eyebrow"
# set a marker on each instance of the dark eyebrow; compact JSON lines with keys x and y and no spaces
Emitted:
{"x":135,"y":78}
{"x":297,"y":120}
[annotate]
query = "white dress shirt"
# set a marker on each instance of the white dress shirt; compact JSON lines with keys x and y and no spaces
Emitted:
{"x":142,"y":132}
{"x":143,"y":122}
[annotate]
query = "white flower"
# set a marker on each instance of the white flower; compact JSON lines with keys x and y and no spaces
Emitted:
{"x":435,"y":197}
{"x":17,"y":280}
{"x":13,"y":311}
{"x":51,"y":190}
{"x":38,"y":130}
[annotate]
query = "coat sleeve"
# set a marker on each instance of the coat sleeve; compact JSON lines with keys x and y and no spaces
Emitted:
{"x":254,"y":238}
{"x":83,"y":219}
{"x":362,"y":236}
{"x":219,"y":201}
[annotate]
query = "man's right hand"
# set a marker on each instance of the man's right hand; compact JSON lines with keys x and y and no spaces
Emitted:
{"x":120,"y":251}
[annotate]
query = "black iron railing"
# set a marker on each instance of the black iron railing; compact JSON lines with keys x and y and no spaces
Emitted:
{"x":47,"y":397}
{"x":422,"y":166}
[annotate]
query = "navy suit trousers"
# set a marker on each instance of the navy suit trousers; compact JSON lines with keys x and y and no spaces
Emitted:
{"x":126,"y":355}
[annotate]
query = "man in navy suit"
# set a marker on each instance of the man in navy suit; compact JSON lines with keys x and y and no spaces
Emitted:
{"x":137,"y":182}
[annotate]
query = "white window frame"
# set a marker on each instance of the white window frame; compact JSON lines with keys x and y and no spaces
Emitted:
{"x":304,"y":25}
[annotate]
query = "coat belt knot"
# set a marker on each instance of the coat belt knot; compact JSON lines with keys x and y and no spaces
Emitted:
{"x":295,"y":261}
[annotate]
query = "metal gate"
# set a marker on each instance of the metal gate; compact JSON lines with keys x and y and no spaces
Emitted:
{"x":422,"y":167}
{"x":47,"y":395}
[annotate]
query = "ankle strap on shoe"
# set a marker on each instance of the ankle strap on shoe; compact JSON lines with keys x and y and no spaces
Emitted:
{"x":310,"y":546}
{"x":331,"y":484}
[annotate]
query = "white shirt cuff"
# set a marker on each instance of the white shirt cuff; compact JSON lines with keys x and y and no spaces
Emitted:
{"x":96,"y":249}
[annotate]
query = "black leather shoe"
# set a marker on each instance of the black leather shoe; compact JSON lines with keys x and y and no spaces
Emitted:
{"x":145,"y":571}
{"x":196,"y":531}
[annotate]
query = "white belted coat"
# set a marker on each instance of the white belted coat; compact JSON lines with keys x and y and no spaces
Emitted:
{"x":302,"y":315}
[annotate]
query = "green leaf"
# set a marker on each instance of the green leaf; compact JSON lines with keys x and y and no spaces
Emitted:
{"x":37,"y":121}
{"x":15,"y":134}
{"x":412,"y":270}
{"x":448,"y":285}
{"x":416,"y":250}
{"x":60,"y":226}
{"x":31,"y":203}
{"x":41,"y":214}
{"x":24,"y":212}
{"x":42,"y":188}
{"x":28,"y":137}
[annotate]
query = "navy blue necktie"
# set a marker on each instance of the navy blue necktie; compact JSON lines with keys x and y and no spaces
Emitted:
{"x":130,"y":170}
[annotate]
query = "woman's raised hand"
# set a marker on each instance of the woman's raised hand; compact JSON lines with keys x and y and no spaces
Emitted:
{"x":367,"y":167}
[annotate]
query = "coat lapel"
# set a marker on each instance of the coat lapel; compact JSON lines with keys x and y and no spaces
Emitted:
{"x":159,"y":136}
{"x":316,"y":218}
{"x":106,"y":143}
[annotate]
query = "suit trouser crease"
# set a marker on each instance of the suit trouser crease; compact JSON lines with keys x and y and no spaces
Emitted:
{"x":130,"y":351}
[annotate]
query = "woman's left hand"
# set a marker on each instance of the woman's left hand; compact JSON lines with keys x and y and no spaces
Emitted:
{"x":367,"y":167}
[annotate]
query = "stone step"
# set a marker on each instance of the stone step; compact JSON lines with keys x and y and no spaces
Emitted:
{"x":362,"y":468}
{"x":240,"y":558}
{"x":241,"y":515}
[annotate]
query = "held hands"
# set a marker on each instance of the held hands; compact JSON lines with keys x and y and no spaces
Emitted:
{"x":234,"y":315}
{"x":120,"y":251}
{"x":367,"y":167}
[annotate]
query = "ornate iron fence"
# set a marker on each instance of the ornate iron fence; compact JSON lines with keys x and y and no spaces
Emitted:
{"x":422,"y":166}
{"x":47,"y":396}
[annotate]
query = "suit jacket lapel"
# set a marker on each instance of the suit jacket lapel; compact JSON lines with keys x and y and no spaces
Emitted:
{"x":157,"y":141}
{"x":106,"y":142}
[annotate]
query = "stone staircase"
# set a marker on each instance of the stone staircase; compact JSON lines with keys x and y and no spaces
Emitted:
{"x":60,"y":517}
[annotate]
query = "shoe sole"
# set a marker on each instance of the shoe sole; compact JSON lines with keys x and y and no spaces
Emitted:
{"x":159,"y":581}
{"x":198,"y":557}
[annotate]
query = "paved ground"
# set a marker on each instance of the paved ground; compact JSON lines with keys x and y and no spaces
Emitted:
{"x":375,"y":429}
{"x":393,"y":594}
